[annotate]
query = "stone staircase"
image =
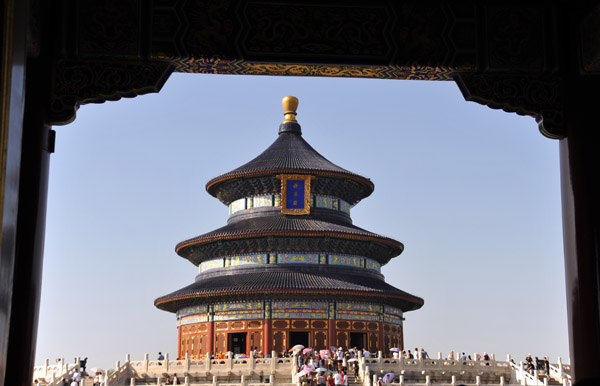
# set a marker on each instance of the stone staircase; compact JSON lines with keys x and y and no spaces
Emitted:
{"x":353,"y":381}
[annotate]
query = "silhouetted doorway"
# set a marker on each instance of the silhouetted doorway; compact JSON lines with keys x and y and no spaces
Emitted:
{"x":357,"y":339}
{"x":299,"y":337}
{"x":237,"y":343}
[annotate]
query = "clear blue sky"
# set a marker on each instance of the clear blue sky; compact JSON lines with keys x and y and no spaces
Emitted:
{"x":473,"y":194}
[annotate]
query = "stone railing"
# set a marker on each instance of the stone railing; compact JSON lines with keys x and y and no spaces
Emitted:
{"x":561,"y":372}
{"x":524,"y":377}
{"x":228,"y":372}
{"x":282,"y":372}
{"x":52,"y":374}
{"x":453,"y":372}
{"x":558,"y":372}
{"x":438,"y":371}
{"x":119,"y":375}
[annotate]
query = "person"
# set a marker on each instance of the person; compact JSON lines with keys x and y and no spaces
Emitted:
{"x":337,"y":379}
{"x":97,"y":378}
{"x":160,"y":358}
{"x":424,"y":354}
{"x":330,"y":380}
{"x":175,"y":379}
{"x":529,"y":364}
{"x":409,"y":355}
{"x":486,"y":357}
{"x":77,"y":377}
{"x":304,"y":380}
{"x":321,"y":379}
{"x":339,"y":354}
{"x":344,"y":379}
{"x":416,"y":353}
{"x":74,"y":382}
{"x":64,"y":382}
{"x":255,"y":352}
{"x":168,"y":380}
{"x":546,"y":367}
{"x":530,"y":367}
{"x":463,"y":357}
{"x":37,"y":383}
{"x":389,"y":377}
{"x":355,"y":369}
{"x":82,"y":364}
{"x":395,"y":354}
{"x":451,"y":356}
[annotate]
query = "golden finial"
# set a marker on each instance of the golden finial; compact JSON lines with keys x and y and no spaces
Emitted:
{"x":290,"y":104}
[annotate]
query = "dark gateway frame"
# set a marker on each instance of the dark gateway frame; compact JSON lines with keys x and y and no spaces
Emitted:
{"x":530,"y":57}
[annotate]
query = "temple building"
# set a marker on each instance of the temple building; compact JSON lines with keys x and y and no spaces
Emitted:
{"x":289,"y":267}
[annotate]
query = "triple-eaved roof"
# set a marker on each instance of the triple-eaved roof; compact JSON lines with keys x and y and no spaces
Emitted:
{"x":289,"y":154}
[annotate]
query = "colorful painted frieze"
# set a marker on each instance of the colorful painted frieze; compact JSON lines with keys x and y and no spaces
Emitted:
{"x":363,"y":316}
{"x":272,"y":258}
{"x":325,"y":202}
{"x":289,"y":258}
{"x":192,"y":320}
{"x":274,"y":200}
{"x":359,"y":307}
{"x":348,"y":260}
{"x":221,"y":316}
{"x":191,"y":311}
{"x":372,"y":264}
{"x":212,"y":264}
{"x":323,"y":258}
{"x":299,"y":315}
{"x":298,"y":258}
{"x":345,"y":207}
{"x":393,"y":311}
{"x":392,"y":319}
{"x":220,"y":307}
{"x":299,"y":305}
{"x":262,"y":200}
{"x":237,"y":205}
{"x":260,"y":258}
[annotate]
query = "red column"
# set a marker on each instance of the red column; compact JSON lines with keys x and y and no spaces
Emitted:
{"x":211,"y":336}
{"x":332,"y":341}
{"x":267,"y":345}
{"x":380,"y":338}
{"x":178,"y":356}
{"x":267,"y":329}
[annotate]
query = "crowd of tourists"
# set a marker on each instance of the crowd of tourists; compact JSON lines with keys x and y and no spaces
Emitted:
{"x":327,"y":367}
{"x":540,"y":365}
